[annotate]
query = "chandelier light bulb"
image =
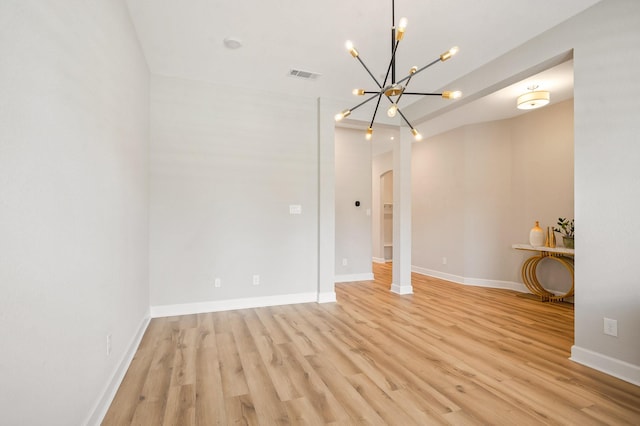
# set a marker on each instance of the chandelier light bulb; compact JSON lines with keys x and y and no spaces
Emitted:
{"x":451,"y":95}
{"x":449,"y":53}
{"x":351,"y":48}
{"x":416,"y":135}
{"x":369,"y":134}
{"x":393,"y":109}
{"x":342,"y":115}
{"x":402,"y":26}
{"x":358,"y":92}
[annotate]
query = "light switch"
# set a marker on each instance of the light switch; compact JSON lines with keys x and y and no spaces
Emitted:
{"x":295,"y":209}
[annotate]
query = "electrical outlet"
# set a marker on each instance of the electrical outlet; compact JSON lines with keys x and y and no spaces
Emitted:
{"x":345,"y":262}
{"x":256,"y":280}
{"x":109,"y":344}
{"x":611,"y":327}
{"x":444,"y":260}
{"x":217,"y":283}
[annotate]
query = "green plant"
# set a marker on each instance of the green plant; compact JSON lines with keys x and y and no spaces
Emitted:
{"x":565,"y":227}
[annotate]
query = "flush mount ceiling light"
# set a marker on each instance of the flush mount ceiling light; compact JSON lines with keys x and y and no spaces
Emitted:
{"x":533,"y":98}
{"x":396,"y":89}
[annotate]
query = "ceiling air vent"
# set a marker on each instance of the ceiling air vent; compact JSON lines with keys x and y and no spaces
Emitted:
{"x":308,"y":75}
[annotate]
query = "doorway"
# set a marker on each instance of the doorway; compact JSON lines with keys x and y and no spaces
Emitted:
{"x":386,"y":217}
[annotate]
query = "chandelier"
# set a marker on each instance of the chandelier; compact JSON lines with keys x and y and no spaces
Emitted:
{"x":395,"y":89}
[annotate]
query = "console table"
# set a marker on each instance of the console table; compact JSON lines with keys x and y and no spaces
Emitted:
{"x":561,"y":255}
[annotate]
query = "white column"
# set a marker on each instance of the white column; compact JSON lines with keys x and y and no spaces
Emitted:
{"x":326,"y":201}
{"x":401,"y":283}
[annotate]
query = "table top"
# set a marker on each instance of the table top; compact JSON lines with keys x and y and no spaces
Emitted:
{"x":558,"y":250}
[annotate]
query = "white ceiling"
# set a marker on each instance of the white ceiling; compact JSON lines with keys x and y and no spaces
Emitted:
{"x":185,"y":39}
{"x":501,"y":104}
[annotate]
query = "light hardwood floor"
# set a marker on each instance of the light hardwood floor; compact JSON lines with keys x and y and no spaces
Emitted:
{"x":448,"y":354}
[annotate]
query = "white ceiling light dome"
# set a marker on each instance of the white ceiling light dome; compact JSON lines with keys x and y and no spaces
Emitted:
{"x":534,"y":98}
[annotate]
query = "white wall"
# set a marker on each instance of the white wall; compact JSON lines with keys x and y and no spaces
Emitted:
{"x":353,"y":224}
{"x":438,"y":193}
{"x":226,"y":164}
{"x":479,"y":189}
{"x":73,"y":206}
{"x":605,"y":41}
{"x":607,"y":95}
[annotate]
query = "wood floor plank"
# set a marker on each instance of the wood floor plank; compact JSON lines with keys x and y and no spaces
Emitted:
{"x":130,"y":389}
{"x":380,"y":401}
{"x":234,"y":382}
{"x":240,"y":411}
{"x":276,"y":368}
{"x":414,"y":405}
{"x":245,"y":341}
{"x":447,"y":354}
{"x":289,"y":321}
{"x":206,"y":337}
{"x":268,"y":407}
{"x":310,"y":384}
{"x":354,"y":404}
{"x":184,"y":363}
{"x":180,"y":408}
{"x":301,"y":412}
{"x":479,"y":404}
{"x":389,"y":374}
{"x":271,"y":325}
{"x":210,"y":403}
{"x":153,"y":398}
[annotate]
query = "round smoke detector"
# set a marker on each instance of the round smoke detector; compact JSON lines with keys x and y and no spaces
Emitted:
{"x":232,"y":43}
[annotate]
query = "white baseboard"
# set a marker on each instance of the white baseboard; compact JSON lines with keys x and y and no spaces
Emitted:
{"x":379,"y":260}
{"x":508,"y":285}
{"x":104,"y":402}
{"x":231,"y":304}
{"x":478,"y":282}
{"x":401,"y":289}
{"x":347,"y":278}
{"x":611,"y":366}
{"x":437,"y":274}
{"x":327,"y":297}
